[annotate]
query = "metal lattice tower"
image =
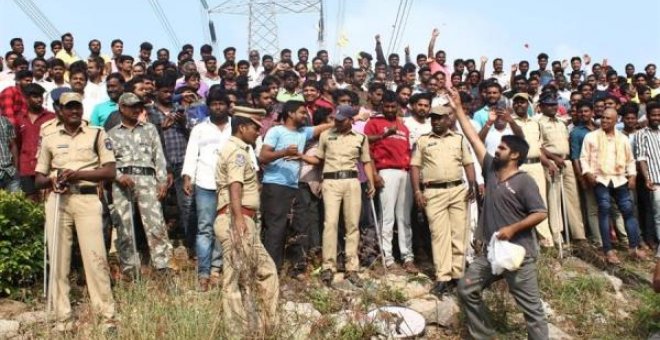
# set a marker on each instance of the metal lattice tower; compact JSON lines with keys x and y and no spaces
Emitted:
{"x":262,"y":19}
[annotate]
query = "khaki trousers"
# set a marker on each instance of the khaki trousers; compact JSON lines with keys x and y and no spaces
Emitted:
{"x":336,"y":192}
{"x":83,"y":212}
{"x":572,"y":198}
{"x":446,"y":211}
{"x":536,"y":172}
{"x":251,"y":263}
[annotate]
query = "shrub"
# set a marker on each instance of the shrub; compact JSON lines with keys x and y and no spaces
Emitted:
{"x":21,"y":242}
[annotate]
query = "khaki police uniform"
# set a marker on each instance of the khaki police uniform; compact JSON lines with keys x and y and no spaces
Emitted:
{"x":86,"y":149}
{"x":534,"y":168}
{"x":248,"y":261}
{"x":341,"y":152}
{"x":554,"y":134}
{"x":140,"y":156}
{"x":441,"y":160}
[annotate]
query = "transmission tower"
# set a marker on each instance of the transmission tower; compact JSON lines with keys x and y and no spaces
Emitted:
{"x":262,"y":19}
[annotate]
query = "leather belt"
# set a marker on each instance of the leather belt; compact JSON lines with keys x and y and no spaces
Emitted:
{"x":533,"y":160}
{"x":137,"y":170}
{"x":82,"y":190}
{"x":251,"y":213}
{"x":443,"y":185}
{"x":340,"y":174}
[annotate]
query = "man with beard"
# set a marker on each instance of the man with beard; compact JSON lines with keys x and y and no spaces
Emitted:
{"x":206,"y":140}
{"x":445,"y":195}
{"x":114,"y":85}
{"x":210,"y":74}
{"x":493,"y":96}
{"x":512,"y":208}
{"x":12,"y":99}
{"x":67,"y":53}
{"x":390,"y":150}
{"x":281,"y":156}
{"x":141,"y":179}
{"x":648,"y":144}
{"x":28,"y":124}
{"x":499,"y":74}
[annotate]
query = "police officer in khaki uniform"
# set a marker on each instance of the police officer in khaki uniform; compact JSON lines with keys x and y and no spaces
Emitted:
{"x":535,"y":158}
{"x":439,"y":159}
{"x":341,"y":148}
{"x":72,"y":161}
{"x":554,"y":134}
{"x":237,"y":227}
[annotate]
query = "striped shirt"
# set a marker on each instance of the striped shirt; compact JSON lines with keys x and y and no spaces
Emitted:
{"x":648,"y":149}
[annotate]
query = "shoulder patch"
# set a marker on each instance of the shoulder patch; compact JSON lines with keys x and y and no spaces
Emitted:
{"x":108,"y":143}
{"x":240,"y":160}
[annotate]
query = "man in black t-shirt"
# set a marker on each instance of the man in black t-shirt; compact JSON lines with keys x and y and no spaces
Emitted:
{"x":512,"y":207}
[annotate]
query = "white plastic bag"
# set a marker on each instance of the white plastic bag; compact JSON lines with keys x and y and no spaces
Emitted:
{"x":504,"y":255}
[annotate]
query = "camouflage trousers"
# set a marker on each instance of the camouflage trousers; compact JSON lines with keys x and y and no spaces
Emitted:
{"x":146,"y":197}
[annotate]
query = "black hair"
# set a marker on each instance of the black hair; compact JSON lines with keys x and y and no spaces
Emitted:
{"x":240,"y":62}
{"x":206,"y":48}
{"x":34,"y":89}
{"x":576,"y":58}
{"x":629,"y":107}
{"x":116,"y":41}
{"x":420,"y":96}
{"x":389,"y":97}
{"x":402,"y":87}
{"x":238,"y":121}
{"x":466,"y":98}
{"x":23,"y":74}
{"x":517,"y":145}
{"x":321,"y":115}
{"x":266,"y":57}
{"x":192,"y":75}
{"x":38,"y":59}
{"x":187,"y":47}
{"x":542,"y":56}
{"x":165,"y":81}
{"x":20,"y":61}
{"x":147,"y":46}
{"x":229,"y":49}
{"x":373,"y":87}
{"x":303,"y":50}
{"x":286,"y":50}
{"x":288,"y":107}
{"x":56,"y":62}
{"x":583,"y":103}
{"x":217,"y":96}
{"x":124,"y":57}
{"x":14,"y":40}
{"x":311,"y":83}
{"x":55,"y":43}
{"x":269,"y":80}
{"x":39,"y":44}
{"x":115,"y":75}
{"x":652,"y":105}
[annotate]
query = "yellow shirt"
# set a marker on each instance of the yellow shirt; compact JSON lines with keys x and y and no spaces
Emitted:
{"x":532,"y":131}
{"x":554,"y":135}
{"x":235,"y":166}
{"x":87,"y":149}
{"x":441,"y":158}
{"x":342,"y":151}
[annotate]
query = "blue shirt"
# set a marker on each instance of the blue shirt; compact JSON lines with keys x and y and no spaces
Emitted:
{"x":282,"y":171}
{"x":101,"y":113}
{"x":576,"y":138}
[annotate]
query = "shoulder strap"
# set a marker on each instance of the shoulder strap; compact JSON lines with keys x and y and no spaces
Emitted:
{"x":96,"y":141}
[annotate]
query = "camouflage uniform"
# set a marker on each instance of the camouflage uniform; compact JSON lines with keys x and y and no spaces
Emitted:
{"x":139,"y":153}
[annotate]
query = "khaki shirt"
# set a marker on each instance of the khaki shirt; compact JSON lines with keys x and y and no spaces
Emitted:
{"x":441,"y":158}
{"x":235,"y":165}
{"x":342,"y":151}
{"x":139,"y":146}
{"x":61,"y":150}
{"x":532,"y":130}
{"x":51,"y":126}
{"x":554,"y":135}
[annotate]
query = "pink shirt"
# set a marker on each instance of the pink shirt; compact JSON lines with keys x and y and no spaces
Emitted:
{"x":435,"y":67}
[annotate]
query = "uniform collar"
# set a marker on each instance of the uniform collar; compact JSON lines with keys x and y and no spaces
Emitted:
{"x":448,"y":133}
{"x":334,"y":131}
{"x":63,"y":130}
{"x":139,"y":123}
{"x":241,"y":144}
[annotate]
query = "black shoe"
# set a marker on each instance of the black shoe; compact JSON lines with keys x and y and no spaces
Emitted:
{"x":326,"y":277}
{"x":441,"y":288}
{"x":354,"y":279}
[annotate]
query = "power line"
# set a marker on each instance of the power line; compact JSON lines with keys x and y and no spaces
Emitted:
{"x":160,"y":15}
{"x":37,"y":17}
{"x":405,"y":24}
{"x":395,"y":39}
{"x":396,"y":21}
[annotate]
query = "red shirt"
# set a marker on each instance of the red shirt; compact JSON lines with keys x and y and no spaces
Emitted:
{"x":12,"y":103}
{"x":392,"y":152}
{"x":318,"y":102}
{"x":27,"y":136}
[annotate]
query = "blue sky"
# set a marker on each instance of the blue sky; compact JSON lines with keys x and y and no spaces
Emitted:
{"x":619,"y":31}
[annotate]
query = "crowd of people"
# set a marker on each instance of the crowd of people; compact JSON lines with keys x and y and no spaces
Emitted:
{"x":276,"y":163}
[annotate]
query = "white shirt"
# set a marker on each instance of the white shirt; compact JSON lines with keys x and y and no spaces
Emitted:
{"x":495,"y":137}
{"x":205,"y":142}
{"x":502,"y":79}
{"x":416,"y":129}
{"x":96,"y":92}
{"x":210,"y":82}
{"x":254,"y":76}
